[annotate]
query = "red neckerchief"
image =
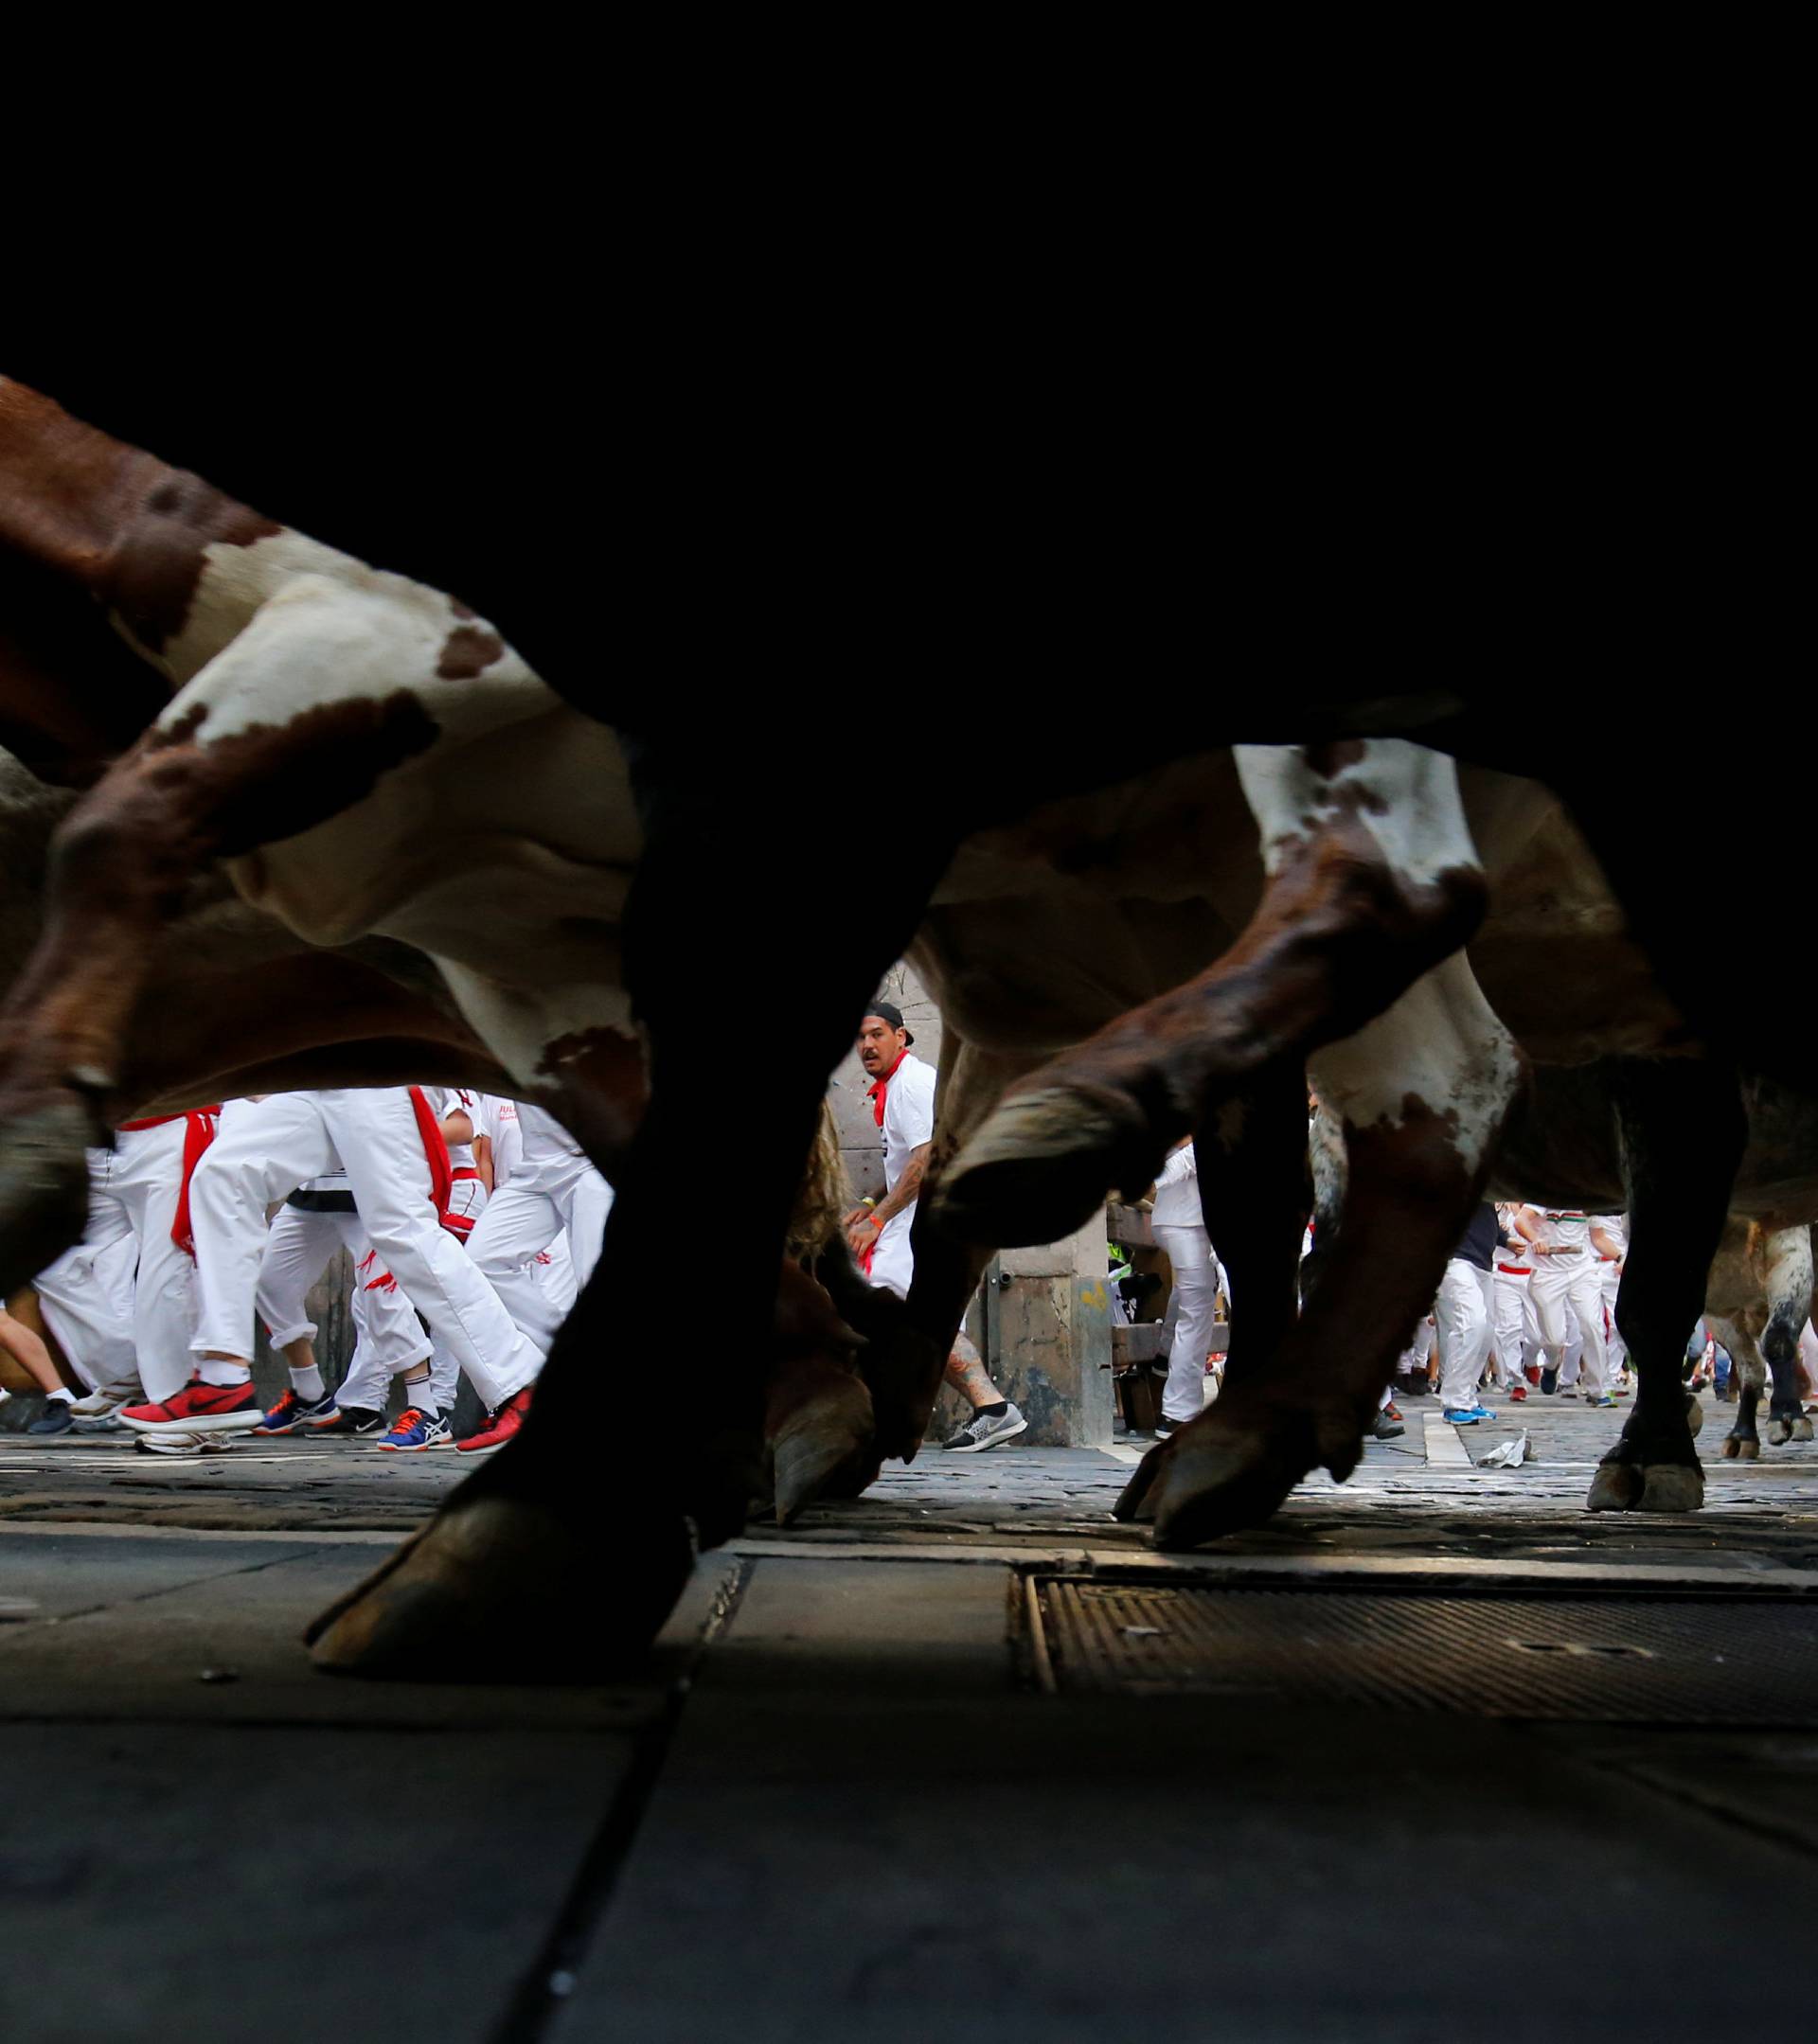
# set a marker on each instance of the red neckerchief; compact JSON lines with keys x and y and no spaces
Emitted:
{"x":434,"y":1150}
{"x":881,"y":1085}
{"x":197,"y":1132}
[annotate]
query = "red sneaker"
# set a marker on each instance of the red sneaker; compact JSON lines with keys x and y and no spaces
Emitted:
{"x":1518,"y":1392}
{"x":499,"y":1427}
{"x":198,"y":1408}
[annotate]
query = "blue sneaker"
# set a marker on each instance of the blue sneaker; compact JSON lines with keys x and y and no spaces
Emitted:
{"x":54,"y":1418}
{"x":1463,"y":1415}
{"x":414,"y":1431}
{"x":291,"y":1411}
{"x":1483,"y":1411}
{"x":1605,"y":1400}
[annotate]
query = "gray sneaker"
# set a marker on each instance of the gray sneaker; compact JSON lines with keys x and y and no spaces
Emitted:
{"x":980,"y":1432}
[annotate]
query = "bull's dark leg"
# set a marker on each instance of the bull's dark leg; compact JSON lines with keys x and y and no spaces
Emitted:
{"x":1744,"y":1442}
{"x":1372,"y":879}
{"x":1683,"y":1129}
{"x":1255,"y":1195}
{"x":533,"y":1563}
{"x":1790,"y":1287}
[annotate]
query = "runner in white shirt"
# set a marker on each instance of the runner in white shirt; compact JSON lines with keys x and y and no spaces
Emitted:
{"x":902,"y":1101}
{"x":1566,"y":1244}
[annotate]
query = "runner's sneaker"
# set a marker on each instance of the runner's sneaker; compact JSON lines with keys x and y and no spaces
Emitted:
{"x":500,"y":1427}
{"x":198,"y":1408}
{"x":54,"y":1418}
{"x":1549,"y":1381}
{"x":1462,"y":1415}
{"x":101,"y":1404}
{"x":1517,"y":1393}
{"x":345,"y":1419}
{"x":293,"y":1411}
{"x":414,"y":1431}
{"x":1383,"y":1428}
{"x":980,"y":1432}
{"x":1604,"y":1399}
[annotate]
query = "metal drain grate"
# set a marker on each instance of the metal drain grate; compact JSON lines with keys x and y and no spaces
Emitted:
{"x":1657,"y":1660}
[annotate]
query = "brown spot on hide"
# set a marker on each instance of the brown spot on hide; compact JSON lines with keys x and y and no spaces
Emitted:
{"x":271,"y":781}
{"x":1331,"y":757}
{"x":469,"y":652}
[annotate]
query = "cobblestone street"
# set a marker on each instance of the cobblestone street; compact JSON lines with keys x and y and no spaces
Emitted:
{"x":874,"y":1788}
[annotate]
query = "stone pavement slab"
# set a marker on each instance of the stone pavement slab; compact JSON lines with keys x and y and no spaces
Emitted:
{"x":849,"y":1815}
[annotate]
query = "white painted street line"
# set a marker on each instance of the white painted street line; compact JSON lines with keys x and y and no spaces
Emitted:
{"x":1444,"y":1446}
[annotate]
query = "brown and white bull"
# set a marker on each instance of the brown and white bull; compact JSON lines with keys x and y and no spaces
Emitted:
{"x":326,"y":716}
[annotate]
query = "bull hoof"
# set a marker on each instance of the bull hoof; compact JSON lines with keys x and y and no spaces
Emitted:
{"x":1669,"y":1486}
{"x":43,"y":1187}
{"x":1225,"y":1473}
{"x":1802,"y":1428}
{"x":1039,"y":1168}
{"x":1743,"y":1448}
{"x":824,"y":1447}
{"x":1694,"y":1413}
{"x":1615,"y":1487}
{"x":496,"y":1589}
{"x":1784,"y":1431}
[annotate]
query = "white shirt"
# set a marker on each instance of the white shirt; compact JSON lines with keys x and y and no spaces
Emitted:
{"x":1177,"y":1192}
{"x":449,"y":1100}
{"x":908,"y":1119}
{"x":1567,"y":1229}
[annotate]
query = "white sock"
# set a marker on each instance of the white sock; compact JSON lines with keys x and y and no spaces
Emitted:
{"x":213,"y":1371}
{"x":421,"y":1392}
{"x":308,"y":1384}
{"x":63,"y":1393}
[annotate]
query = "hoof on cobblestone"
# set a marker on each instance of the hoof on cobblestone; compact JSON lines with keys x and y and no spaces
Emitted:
{"x":1737,"y":1448}
{"x":824,"y":1445}
{"x":496,"y":1589}
{"x":1673,"y":1487}
{"x":1223,"y":1474}
{"x":1615,"y":1487}
{"x":1042,"y":1164}
{"x":1694,"y":1413}
{"x":1784,"y":1431}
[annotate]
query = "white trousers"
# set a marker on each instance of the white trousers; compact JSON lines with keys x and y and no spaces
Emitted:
{"x":893,"y":1262}
{"x":1463,"y":1311}
{"x":263,"y":1151}
{"x":1192,"y":1313}
{"x":1418,"y":1353}
{"x":1615,"y":1348}
{"x":522,"y":1219}
{"x":133,"y":1198}
{"x":87,"y":1300}
{"x":1515,"y":1331}
{"x":387,"y":1335}
{"x":1560,"y":1281}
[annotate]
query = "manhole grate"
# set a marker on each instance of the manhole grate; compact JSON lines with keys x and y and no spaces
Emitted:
{"x":1659,"y":1659}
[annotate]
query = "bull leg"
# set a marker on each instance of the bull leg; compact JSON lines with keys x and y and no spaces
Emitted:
{"x":1789,"y":1283}
{"x":1422,"y":1093}
{"x":1683,"y":1130}
{"x":578,"y":1582}
{"x":1255,"y":1195}
{"x":121,"y":863}
{"x":1371,"y":878}
{"x":1743,"y":1443}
